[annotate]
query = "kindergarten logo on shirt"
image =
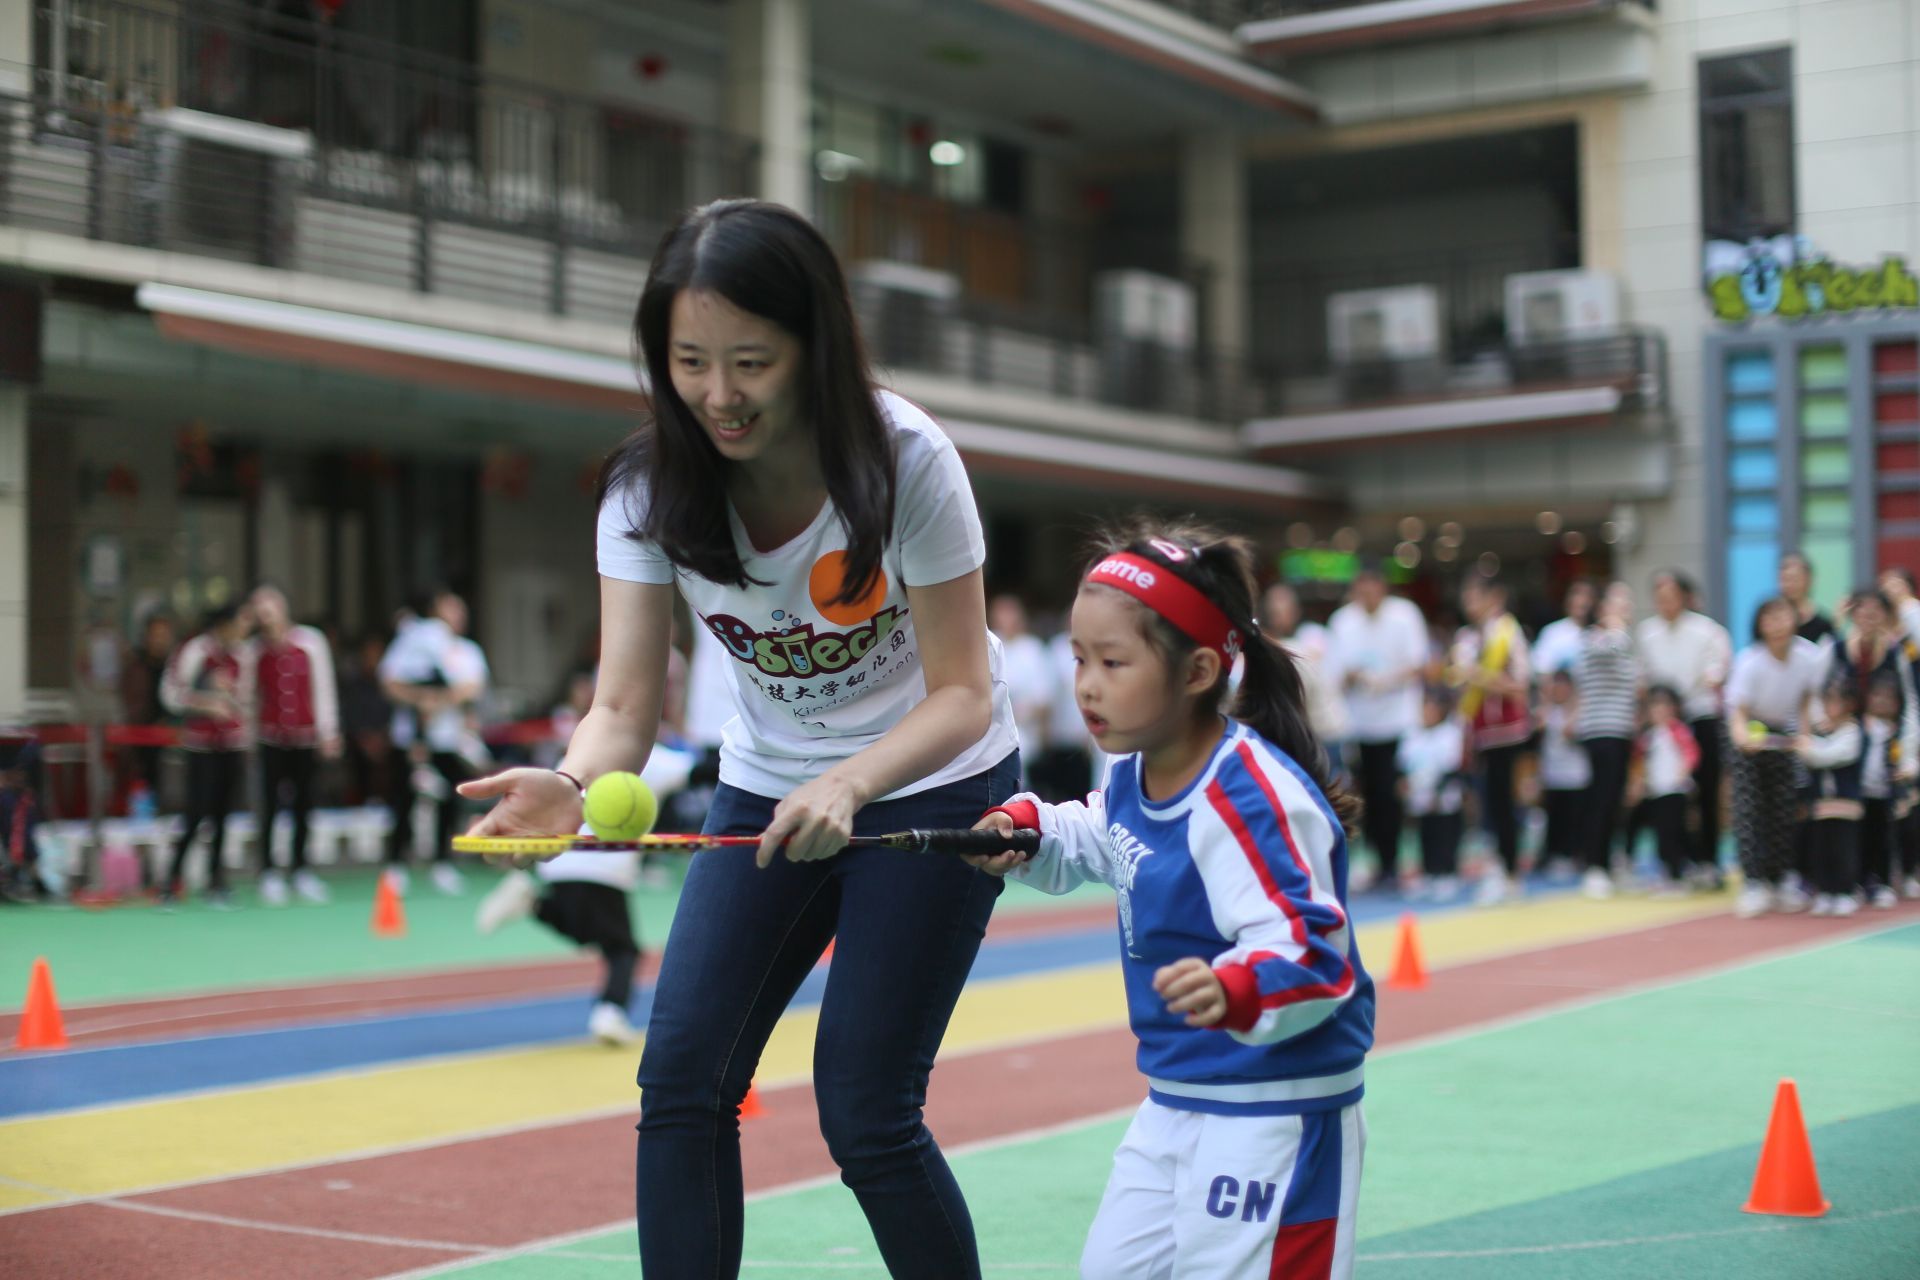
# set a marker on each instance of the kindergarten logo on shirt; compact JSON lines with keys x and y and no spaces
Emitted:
{"x":799,"y":649}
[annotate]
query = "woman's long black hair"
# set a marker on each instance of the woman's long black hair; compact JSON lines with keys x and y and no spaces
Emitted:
{"x":768,"y":261}
{"x":1272,"y":700}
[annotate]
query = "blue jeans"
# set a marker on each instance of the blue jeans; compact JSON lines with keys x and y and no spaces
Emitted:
{"x":905,"y":928}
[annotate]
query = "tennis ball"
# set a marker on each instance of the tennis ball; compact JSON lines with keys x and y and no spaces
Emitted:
{"x":619,"y":806}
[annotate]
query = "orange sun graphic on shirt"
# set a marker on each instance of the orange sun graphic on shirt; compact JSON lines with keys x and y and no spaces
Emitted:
{"x":824,"y":583}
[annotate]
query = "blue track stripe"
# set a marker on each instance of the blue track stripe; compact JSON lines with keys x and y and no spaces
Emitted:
{"x":38,"y":1083}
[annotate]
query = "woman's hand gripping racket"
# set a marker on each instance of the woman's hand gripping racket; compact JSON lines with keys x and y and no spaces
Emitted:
{"x":978,"y":846}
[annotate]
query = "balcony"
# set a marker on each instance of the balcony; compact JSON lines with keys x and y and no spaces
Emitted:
{"x":1584,"y":380}
{"x":207,"y":134}
{"x":1304,"y":28}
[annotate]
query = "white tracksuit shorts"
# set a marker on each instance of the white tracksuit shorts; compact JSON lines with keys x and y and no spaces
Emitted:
{"x":1195,"y":1196}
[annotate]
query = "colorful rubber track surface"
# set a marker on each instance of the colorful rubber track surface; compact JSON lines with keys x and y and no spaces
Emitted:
{"x":1581,"y":1091}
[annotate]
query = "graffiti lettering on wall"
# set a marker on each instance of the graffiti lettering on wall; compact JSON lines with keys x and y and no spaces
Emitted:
{"x":1788,"y":278}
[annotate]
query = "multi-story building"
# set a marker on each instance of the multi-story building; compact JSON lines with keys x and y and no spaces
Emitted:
{"x":337,"y":293}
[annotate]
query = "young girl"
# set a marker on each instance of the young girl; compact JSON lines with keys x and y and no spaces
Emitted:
{"x":1565,"y":773}
{"x":1432,"y":761}
{"x":1668,"y":755}
{"x":1835,"y":756}
{"x":1879,"y":792}
{"x":1243,"y":980}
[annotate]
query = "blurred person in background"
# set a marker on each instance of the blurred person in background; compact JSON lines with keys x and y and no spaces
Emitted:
{"x":434,"y":676}
{"x":1492,"y":665}
{"x":140,"y":678}
{"x":1432,"y":760}
{"x":1029,"y":671}
{"x":1375,"y":654}
{"x":1070,"y":765}
{"x":1811,"y":622}
{"x":206,"y":685}
{"x":1770,"y":696}
{"x":1692,"y":654}
{"x":1877,"y":662}
{"x":1896,"y":584}
{"x":709,"y":706}
{"x":20,"y":878}
{"x":1566,"y":773}
{"x":1557,"y":647}
{"x":366,"y":718}
{"x":296,"y":721}
{"x":1608,"y":678}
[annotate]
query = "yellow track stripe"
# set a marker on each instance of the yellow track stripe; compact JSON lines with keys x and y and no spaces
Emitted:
{"x":125,"y":1148}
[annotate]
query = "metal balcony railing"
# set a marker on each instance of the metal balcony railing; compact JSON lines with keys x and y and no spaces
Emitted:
{"x":370,"y":163}
{"x":1634,"y":360}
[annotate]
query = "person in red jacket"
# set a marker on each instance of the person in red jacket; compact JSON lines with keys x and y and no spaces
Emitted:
{"x":296,"y":719}
{"x":207,"y":685}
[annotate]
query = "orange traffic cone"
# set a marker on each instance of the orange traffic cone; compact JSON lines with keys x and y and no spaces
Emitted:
{"x":1408,"y":973}
{"x":1786,"y":1183}
{"x":40,"y":1025}
{"x":750,"y":1106}
{"x":389,"y":916}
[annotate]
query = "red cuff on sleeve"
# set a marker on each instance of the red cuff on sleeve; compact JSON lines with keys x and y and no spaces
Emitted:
{"x":1025,"y":814}
{"x":1243,"y":997}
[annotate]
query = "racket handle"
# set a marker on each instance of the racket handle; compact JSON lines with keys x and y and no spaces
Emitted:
{"x":956,"y":840}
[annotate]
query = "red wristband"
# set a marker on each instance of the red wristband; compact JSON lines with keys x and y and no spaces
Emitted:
{"x":578,"y":785}
{"x":1025,"y":813}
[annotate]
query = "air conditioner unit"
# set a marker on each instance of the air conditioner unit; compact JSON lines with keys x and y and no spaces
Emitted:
{"x":1548,"y":306}
{"x":220,"y":184}
{"x":1140,"y":306}
{"x":905,"y":310}
{"x":1371,"y":326}
{"x":1145,"y":330}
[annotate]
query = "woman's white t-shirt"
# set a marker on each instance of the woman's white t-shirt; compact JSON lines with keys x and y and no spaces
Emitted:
{"x":817,"y":682}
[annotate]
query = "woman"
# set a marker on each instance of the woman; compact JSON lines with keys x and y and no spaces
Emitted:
{"x":1770,"y":694}
{"x":1607,"y":674}
{"x":824,"y":531}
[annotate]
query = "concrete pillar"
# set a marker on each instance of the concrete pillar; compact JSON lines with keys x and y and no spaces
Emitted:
{"x":769,"y":98}
{"x":1213,"y":231}
{"x":273,"y":549}
{"x":13,"y":553}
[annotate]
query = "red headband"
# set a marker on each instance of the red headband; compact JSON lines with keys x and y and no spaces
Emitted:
{"x":1173,"y":598}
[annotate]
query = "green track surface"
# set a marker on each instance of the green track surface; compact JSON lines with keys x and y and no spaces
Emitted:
{"x":1614,"y":1140}
{"x":135,"y":950}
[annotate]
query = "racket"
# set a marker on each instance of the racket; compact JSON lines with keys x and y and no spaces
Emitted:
{"x":954,"y":840}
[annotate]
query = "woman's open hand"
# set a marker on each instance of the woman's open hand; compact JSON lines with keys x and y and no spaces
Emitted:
{"x":532,"y":802}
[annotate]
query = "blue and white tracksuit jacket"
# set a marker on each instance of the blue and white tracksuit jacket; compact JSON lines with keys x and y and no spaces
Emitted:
{"x":1247,"y":869}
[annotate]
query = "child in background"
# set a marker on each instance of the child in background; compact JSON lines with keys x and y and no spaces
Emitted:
{"x":1432,"y":762}
{"x":1879,"y":782}
{"x":19,"y":818}
{"x":1667,"y":754}
{"x":1565,"y":773}
{"x":1243,"y":978}
{"x":1836,"y":756}
{"x":582,"y":896}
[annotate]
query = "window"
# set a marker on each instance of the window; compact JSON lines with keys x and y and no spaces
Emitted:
{"x":1746,"y":145}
